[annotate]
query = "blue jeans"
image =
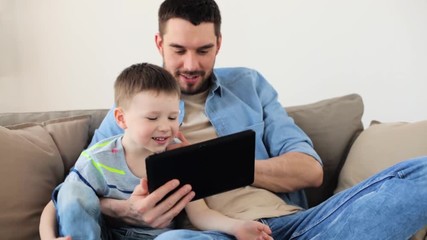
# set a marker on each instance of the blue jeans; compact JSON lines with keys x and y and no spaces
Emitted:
{"x":79,"y":215}
{"x":390,"y":205}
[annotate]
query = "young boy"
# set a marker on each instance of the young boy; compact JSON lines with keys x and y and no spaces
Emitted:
{"x":147,"y":101}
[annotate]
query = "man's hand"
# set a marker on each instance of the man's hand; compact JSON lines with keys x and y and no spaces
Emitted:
{"x":146,"y":209}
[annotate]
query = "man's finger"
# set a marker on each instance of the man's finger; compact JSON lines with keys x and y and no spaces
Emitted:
{"x":163,"y":190}
{"x":164,"y":219}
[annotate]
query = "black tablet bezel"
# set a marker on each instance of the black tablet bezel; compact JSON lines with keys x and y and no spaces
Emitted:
{"x":210,"y":167}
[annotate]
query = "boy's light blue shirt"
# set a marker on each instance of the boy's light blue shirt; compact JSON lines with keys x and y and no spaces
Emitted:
{"x":240,"y":99}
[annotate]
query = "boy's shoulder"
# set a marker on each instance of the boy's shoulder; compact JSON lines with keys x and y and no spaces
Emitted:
{"x":105,"y":145}
{"x":102,"y":151}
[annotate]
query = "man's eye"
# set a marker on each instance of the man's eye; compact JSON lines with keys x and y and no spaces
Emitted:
{"x":180,"y":52}
{"x":203,"y":52}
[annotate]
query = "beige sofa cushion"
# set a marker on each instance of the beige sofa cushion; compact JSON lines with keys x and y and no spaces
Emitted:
{"x":34,"y":156}
{"x":71,"y":135}
{"x":332,"y":124}
{"x":32,"y":166}
{"x":380,"y":146}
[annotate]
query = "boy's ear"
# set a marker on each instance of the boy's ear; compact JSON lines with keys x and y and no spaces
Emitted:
{"x":120,"y":118}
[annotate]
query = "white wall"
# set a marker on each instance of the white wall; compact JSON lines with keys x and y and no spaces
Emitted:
{"x":65,"y":54}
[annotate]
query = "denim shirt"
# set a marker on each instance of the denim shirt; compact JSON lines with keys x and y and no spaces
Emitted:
{"x":240,"y":99}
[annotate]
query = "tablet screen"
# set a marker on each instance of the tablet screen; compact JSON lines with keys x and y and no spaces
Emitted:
{"x":210,"y":167}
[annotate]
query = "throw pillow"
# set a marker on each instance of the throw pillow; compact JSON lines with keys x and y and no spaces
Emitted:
{"x":71,"y":136}
{"x":332,"y":125}
{"x":380,"y":146}
{"x":36,"y":157}
{"x":32,"y":166}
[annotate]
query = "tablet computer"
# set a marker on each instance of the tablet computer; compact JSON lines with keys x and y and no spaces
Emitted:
{"x":210,"y":167}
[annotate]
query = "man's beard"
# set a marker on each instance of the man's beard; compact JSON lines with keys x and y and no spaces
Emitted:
{"x":190,"y":90}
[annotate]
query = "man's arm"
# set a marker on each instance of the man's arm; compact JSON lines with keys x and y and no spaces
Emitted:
{"x":288,"y":172}
{"x":107,"y":128}
{"x":295,"y":164}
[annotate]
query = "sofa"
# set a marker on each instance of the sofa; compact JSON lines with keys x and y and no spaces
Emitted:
{"x":39,"y":148}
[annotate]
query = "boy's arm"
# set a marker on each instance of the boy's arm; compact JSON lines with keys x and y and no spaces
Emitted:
{"x":204,"y":218}
{"x":47,"y":227}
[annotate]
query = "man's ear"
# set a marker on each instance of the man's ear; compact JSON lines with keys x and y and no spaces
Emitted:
{"x":159,"y":43}
{"x":119,"y":115}
{"x":218,"y":43}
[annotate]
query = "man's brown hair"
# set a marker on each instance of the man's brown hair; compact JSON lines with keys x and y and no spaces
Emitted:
{"x":194,"y":11}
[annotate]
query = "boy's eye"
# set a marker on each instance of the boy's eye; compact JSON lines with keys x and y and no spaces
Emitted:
{"x":152,"y":118}
{"x":172,"y":118}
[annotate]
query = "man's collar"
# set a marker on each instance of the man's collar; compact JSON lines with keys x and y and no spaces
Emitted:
{"x":215,"y":84}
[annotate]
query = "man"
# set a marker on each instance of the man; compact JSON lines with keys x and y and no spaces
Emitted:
{"x":222,"y":101}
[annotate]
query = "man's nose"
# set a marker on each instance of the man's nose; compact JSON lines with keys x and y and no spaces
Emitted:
{"x":191,"y":61}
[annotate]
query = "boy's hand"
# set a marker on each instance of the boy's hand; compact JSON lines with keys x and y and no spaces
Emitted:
{"x":252,"y":230}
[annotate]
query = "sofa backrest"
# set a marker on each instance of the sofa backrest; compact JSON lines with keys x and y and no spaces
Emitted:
{"x":96,"y":116}
{"x":332,"y":124}
{"x":39,"y":148}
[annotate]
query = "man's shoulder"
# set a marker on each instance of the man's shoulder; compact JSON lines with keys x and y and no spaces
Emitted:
{"x":229,"y":76}
{"x":233,"y":70}
{"x":232,"y":74}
